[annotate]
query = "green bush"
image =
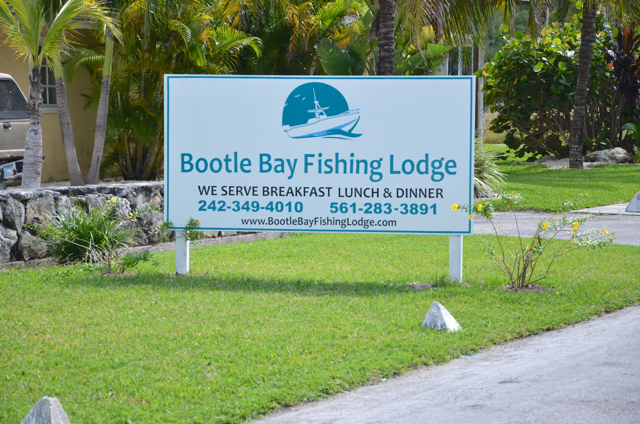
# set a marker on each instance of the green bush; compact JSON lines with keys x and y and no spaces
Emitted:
{"x":94,"y":236}
{"x":531,"y":84}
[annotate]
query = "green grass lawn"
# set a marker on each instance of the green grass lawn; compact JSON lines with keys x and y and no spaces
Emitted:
{"x":547,"y":189}
{"x":269,"y":323}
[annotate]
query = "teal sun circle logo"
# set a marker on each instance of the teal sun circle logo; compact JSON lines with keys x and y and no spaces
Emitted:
{"x":315,"y":110}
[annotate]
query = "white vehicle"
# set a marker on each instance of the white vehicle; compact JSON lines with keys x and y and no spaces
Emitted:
{"x":14,"y":119}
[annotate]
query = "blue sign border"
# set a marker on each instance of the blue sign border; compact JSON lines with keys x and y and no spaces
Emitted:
{"x":167,"y":94}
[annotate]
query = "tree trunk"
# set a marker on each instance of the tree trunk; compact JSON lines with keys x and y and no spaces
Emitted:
{"x":151,"y":155}
{"x":32,"y":165}
{"x":103,"y":111}
{"x":75,"y":175}
{"x":585,"y":57}
{"x":386,"y":42}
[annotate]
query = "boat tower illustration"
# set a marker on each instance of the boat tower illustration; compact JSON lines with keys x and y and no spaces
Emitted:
{"x":322,"y":125}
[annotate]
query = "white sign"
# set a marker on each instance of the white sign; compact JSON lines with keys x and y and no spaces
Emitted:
{"x":319,"y":154}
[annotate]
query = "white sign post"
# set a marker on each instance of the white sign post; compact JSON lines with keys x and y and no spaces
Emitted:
{"x":320,"y":154}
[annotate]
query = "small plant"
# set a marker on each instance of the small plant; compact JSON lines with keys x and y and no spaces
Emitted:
{"x":519,"y":259}
{"x":190,"y":230}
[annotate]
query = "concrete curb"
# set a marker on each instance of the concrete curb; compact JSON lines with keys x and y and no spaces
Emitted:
{"x":242,"y":238}
{"x":164,"y":247}
{"x":617,"y":209}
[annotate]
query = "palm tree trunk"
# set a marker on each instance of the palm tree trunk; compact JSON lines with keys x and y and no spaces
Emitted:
{"x":32,"y":165}
{"x":103,"y":111}
{"x":75,"y":175}
{"x":585,"y":57}
{"x":386,"y":50}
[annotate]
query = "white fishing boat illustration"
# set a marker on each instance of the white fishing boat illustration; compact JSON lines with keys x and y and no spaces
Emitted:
{"x":322,"y":125}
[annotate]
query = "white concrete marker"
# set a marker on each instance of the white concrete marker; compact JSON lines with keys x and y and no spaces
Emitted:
{"x":46,"y":411}
{"x":634,"y":204}
{"x":455,"y":258}
{"x":182,"y":254}
{"x":439,"y":318}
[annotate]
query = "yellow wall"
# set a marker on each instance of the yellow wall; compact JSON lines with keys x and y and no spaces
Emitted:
{"x":82,"y":120}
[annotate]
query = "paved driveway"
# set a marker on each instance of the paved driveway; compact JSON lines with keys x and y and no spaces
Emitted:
{"x":587,"y":373}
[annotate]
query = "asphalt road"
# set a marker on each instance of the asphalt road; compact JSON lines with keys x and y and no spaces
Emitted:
{"x":587,"y":373}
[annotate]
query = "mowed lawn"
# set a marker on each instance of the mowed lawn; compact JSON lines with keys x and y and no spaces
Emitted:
{"x":269,"y":323}
{"x":547,"y":189}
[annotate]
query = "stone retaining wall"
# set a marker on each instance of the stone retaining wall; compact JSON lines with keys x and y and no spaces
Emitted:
{"x":18,"y":207}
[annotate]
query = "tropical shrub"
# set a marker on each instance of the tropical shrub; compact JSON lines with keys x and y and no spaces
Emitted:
{"x":624,"y":62}
{"x":96,"y":235}
{"x":531,"y":84}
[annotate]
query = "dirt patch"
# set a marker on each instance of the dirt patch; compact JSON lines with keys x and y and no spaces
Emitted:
{"x":529,"y":288}
{"x":419,"y":286}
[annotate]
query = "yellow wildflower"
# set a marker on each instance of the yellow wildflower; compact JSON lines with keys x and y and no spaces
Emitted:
{"x":545,"y":225}
{"x":479,"y":206}
{"x":605,"y":230}
{"x":470,"y":216}
{"x":566,"y":24}
{"x":197,"y":222}
{"x":575,"y":16}
{"x":557,"y":292}
{"x":485,"y":73}
{"x":113,"y":200}
{"x":454,"y":207}
{"x":575,"y":225}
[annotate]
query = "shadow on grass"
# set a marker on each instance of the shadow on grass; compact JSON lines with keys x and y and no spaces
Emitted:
{"x":251,"y":284}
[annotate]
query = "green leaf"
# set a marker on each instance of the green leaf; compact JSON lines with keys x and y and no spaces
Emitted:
{"x":336,"y":61}
{"x":538,"y":67}
{"x":519,"y":34}
{"x":504,"y":28}
{"x":562,"y":66}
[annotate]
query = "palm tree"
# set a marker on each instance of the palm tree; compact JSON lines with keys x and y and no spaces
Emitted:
{"x":23,"y":22}
{"x":103,"y":110}
{"x":180,"y":37}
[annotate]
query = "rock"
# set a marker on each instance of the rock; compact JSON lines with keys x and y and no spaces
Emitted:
{"x":615,"y":155}
{"x":228,"y":233}
{"x":63,"y":204}
{"x":46,"y":411}
{"x":210,"y":234}
{"x":139,"y":236}
{"x":484,"y":193}
{"x":634,"y":204}
{"x":123,"y":208}
{"x":31,"y":247}
{"x":39,"y":209}
{"x":149,"y":223}
{"x":8,"y":238}
{"x":13,"y":214}
{"x":440,"y":319}
{"x":96,"y":200}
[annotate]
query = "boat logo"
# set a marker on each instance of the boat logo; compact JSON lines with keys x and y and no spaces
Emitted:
{"x":315,"y":110}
